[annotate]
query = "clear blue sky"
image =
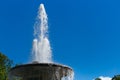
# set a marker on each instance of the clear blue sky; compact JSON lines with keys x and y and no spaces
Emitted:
{"x":84,"y":34}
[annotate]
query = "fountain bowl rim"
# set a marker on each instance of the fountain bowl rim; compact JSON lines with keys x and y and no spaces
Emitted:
{"x":43,"y":65}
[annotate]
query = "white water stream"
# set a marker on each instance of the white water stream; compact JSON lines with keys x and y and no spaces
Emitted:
{"x":41,"y":51}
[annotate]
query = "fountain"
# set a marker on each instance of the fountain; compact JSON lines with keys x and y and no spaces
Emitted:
{"x":41,"y":67}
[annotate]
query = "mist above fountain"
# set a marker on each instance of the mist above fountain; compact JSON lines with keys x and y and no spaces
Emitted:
{"x":41,"y":51}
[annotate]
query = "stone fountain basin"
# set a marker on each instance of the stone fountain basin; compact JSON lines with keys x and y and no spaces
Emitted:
{"x":40,"y":71}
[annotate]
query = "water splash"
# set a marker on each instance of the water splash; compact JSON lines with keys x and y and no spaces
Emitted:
{"x":41,"y":51}
{"x":70,"y":76}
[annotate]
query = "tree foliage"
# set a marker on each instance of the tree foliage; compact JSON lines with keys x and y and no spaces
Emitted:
{"x":97,"y":79}
{"x":116,"y":77}
{"x":5,"y":66}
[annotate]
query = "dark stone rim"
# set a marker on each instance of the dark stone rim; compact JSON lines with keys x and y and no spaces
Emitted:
{"x":41,"y":64}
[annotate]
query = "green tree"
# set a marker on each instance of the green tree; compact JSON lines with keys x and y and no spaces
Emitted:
{"x":116,"y":77}
{"x":5,"y":66}
{"x":97,"y":79}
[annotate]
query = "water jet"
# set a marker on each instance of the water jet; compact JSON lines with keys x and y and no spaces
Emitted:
{"x":41,"y":67}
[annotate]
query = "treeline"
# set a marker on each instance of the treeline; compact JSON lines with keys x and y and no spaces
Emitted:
{"x":116,"y":77}
{"x":5,"y":66}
